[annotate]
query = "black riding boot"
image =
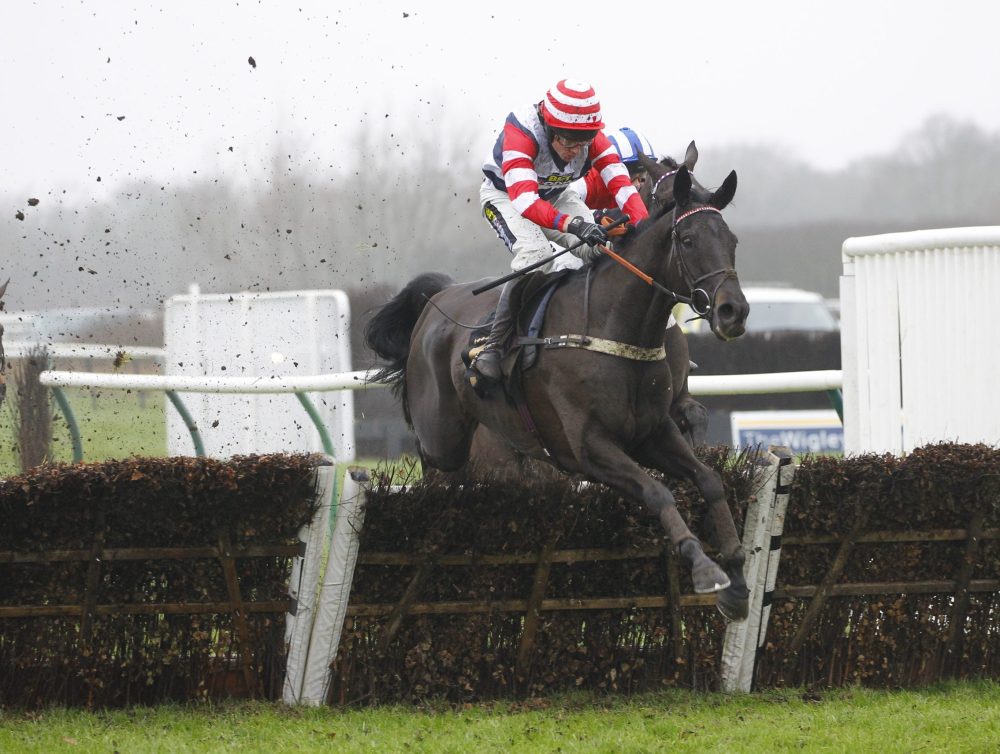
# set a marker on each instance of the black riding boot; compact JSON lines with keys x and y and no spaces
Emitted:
{"x":487,"y":362}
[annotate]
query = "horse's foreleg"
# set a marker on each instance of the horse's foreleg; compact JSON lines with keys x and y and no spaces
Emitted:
{"x":607,"y":463}
{"x":669,"y":452}
{"x":692,"y":419}
{"x":689,"y":414}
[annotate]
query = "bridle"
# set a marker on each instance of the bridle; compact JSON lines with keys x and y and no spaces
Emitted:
{"x":700,"y":301}
{"x":652,"y":193}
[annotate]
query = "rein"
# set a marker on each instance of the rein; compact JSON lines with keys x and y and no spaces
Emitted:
{"x":626,"y":350}
{"x":692,"y":283}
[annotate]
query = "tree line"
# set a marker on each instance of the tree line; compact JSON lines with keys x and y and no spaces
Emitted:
{"x":405,"y":211}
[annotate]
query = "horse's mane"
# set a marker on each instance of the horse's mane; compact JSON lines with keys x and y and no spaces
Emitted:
{"x":669,"y":162}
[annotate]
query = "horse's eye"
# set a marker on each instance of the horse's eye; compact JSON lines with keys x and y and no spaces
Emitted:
{"x":687,"y":240}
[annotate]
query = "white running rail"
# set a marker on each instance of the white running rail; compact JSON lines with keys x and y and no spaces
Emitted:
{"x":727,"y":384}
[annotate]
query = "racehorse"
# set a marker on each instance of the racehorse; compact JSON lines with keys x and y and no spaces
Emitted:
{"x":490,"y":453}
{"x":3,"y":360}
{"x":598,"y":402}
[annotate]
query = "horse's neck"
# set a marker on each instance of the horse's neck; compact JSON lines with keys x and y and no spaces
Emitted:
{"x":624,"y":307}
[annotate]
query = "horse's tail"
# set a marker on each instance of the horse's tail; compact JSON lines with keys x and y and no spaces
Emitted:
{"x":388,"y":333}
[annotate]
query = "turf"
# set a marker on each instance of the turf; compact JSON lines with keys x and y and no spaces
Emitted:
{"x":961,"y":717}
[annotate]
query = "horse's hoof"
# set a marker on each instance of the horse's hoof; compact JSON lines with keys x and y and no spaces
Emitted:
{"x":708,"y":577}
{"x":734,"y":604}
{"x":706,"y":574}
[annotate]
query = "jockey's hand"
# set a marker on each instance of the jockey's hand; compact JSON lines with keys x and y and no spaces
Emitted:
{"x":587,"y":231}
{"x":609,"y":216}
{"x":589,"y":254}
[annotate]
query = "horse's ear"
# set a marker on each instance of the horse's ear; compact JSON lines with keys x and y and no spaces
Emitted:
{"x":725,"y":193}
{"x":691,"y":156}
{"x":682,"y":187}
{"x":3,"y":288}
{"x":650,"y":166}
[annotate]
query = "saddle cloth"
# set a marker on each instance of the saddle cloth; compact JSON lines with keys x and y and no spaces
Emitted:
{"x":529,"y":300}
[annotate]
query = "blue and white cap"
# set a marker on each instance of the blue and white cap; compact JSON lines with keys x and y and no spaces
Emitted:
{"x":630,"y":144}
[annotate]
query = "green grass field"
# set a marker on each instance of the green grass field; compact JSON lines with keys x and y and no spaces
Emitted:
{"x":113,"y":424}
{"x":953,"y":718}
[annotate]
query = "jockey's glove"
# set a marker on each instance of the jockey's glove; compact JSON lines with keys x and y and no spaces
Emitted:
{"x":586,"y":231}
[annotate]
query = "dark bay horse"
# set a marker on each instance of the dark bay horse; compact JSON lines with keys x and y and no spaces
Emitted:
{"x":602,"y":409}
{"x":490,"y":452}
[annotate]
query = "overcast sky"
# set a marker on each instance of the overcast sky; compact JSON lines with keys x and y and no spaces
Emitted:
{"x":122,"y":91}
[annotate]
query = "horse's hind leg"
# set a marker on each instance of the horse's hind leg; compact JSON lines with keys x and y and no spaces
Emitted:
{"x":608,"y":463}
{"x":444,"y":430}
{"x":446,"y":445}
{"x":670,"y":453}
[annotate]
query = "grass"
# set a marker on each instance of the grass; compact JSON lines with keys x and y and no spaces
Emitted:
{"x":113,"y":424}
{"x":957,"y":717}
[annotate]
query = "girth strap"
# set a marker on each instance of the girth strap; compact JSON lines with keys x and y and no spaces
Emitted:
{"x":601,"y":345}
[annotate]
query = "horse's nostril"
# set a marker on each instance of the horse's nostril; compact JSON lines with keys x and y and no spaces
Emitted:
{"x":726,"y":312}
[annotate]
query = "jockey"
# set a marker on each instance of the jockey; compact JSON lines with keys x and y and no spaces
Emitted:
{"x":540,"y":152}
{"x":629,"y":144}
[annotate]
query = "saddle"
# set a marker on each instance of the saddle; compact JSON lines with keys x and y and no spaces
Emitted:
{"x":529,"y":300}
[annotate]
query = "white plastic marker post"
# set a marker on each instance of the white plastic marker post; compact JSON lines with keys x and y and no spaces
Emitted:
{"x":762,"y":530}
{"x":303,"y":586}
{"x":335,"y":591}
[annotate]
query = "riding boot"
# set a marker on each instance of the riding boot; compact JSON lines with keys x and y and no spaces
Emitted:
{"x":487,"y":362}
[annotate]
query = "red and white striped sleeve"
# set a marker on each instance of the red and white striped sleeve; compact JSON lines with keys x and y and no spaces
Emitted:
{"x":518,"y":168}
{"x":596,"y":194}
{"x":614,"y":175}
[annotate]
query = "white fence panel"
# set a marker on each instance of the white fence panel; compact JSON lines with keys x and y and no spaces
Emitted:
{"x":265,"y":336}
{"x":918,"y":341}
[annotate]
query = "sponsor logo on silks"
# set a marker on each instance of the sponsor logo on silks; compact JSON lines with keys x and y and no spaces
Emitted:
{"x":499,"y":225}
{"x":558,"y":179}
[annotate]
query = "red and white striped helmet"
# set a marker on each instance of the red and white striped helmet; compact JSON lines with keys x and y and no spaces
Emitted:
{"x":572,"y":104}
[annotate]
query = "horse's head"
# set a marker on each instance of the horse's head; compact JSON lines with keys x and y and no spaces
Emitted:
{"x":702,"y":256}
{"x":657,"y":192}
